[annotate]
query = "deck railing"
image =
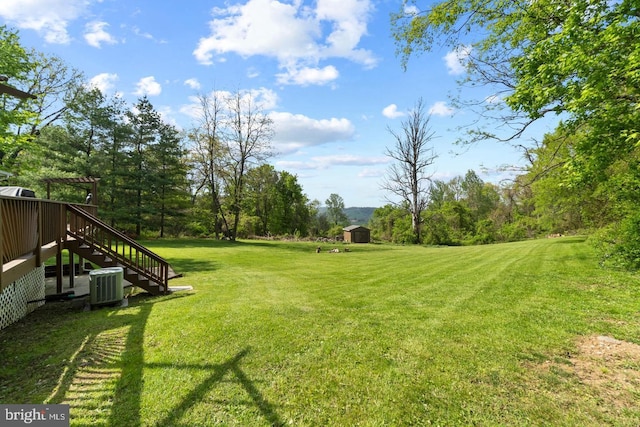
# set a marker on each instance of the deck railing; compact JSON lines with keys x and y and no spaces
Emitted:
{"x":117,"y":245}
{"x":27,"y":225}
{"x":31,"y":227}
{"x":19,"y":227}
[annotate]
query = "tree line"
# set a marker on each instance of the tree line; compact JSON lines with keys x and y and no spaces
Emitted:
{"x":575,"y":60}
{"x":213,"y":179}
{"x":578,"y":61}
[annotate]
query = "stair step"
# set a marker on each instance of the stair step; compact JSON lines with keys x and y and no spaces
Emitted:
{"x":137,"y":277}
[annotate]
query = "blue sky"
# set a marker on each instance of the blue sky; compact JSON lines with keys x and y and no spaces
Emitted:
{"x":326,"y":71}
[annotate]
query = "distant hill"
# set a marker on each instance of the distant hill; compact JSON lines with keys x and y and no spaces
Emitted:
{"x":359,"y":216}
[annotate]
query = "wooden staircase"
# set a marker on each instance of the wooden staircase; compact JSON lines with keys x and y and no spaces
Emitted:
{"x":91,"y":239}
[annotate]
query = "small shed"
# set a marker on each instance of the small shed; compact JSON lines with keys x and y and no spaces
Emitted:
{"x":356,"y":234}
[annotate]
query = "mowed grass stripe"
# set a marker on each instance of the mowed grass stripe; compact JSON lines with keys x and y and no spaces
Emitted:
{"x":275,"y":333}
{"x":424,"y":304}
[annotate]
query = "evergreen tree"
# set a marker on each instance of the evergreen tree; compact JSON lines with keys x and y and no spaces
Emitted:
{"x":145,"y":122}
{"x":114,"y":205}
{"x":168,"y":186}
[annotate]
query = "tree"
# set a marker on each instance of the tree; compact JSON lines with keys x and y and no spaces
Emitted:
{"x":274,"y":203}
{"x":319,"y":223}
{"x":561,"y":203}
{"x":114,"y":205}
{"x":88,"y":121}
{"x":291,"y":213}
{"x":145,"y":122}
{"x":208,"y":157}
{"x":56,"y":86}
{"x":391,"y":223}
{"x":577,"y":58}
{"x":408,"y":176}
{"x":335,"y":210}
{"x":261,"y":196}
{"x":481,"y":197}
{"x":15,"y":114}
{"x":168,"y":184}
{"x":447,"y":216}
{"x":76,"y":145}
{"x":247,"y":143}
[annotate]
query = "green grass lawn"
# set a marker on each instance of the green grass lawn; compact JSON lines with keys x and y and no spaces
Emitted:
{"x":274,"y":333}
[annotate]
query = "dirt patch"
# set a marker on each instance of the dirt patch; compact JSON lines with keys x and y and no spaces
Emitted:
{"x":611,"y":367}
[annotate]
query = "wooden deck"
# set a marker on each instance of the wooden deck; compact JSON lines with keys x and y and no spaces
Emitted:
{"x":35,"y":230}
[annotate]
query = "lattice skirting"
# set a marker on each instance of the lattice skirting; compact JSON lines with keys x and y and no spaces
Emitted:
{"x":14,"y":298}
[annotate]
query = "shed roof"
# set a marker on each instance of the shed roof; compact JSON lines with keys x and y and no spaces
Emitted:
{"x":354,"y":227}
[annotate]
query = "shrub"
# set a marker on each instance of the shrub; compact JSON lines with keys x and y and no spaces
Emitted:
{"x":618,"y":244}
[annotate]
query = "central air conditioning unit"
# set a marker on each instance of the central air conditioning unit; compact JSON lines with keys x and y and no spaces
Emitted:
{"x":105,"y":285}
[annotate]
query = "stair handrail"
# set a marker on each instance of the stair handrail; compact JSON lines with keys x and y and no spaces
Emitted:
{"x":115,"y":244}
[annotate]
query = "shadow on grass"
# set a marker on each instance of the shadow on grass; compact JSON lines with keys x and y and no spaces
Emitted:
{"x":94,"y":361}
{"x":570,"y":240}
{"x":186,"y":265}
{"x":188,"y":243}
{"x":217,"y":373}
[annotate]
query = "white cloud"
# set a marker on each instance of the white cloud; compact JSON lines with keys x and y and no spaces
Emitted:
{"x":391,"y":111}
{"x":146,"y":35}
{"x":95,"y":34}
{"x":325,"y":162}
{"x":49,"y":18}
{"x":411,"y":10}
{"x":193,"y":83}
{"x":252,"y":73}
{"x":349,"y":24}
{"x":456,"y":60}
{"x":441,"y":108}
{"x":297,"y":35}
{"x":263,"y":99}
{"x":309,"y":76}
{"x":105,"y":82}
{"x":371,"y":173}
{"x":166,"y":112}
{"x":295,"y":131}
{"x":148,"y":86}
{"x":138,"y":32}
{"x":193,"y":109}
{"x":259,"y":27}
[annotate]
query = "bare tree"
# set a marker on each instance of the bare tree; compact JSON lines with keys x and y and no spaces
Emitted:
{"x":208,"y":155}
{"x":248,"y":143}
{"x":232,"y":136}
{"x":408,"y":177}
